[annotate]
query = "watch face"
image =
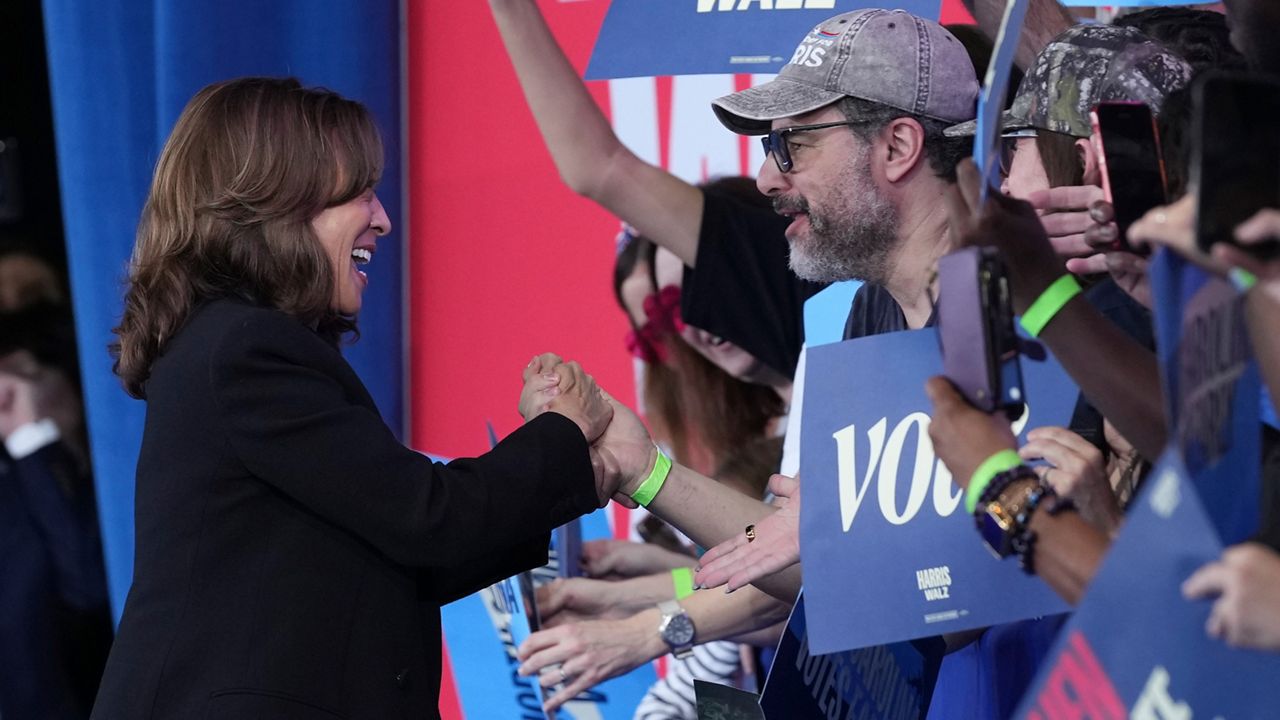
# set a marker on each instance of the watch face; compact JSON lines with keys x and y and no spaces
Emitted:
{"x":679,"y":631}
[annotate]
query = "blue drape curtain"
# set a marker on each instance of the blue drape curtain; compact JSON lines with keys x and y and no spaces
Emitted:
{"x":120,"y":73}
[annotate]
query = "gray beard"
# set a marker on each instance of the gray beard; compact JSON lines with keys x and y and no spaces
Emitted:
{"x":854,"y":240}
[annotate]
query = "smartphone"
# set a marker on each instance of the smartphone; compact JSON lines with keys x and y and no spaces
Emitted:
{"x":1129,"y":158}
{"x":1235,"y":161}
{"x":975,"y":327}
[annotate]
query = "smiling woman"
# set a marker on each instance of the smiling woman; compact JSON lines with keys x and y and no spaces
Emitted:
{"x":291,"y":554}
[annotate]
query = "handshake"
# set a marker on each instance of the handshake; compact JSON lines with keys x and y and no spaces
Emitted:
{"x":622,"y":453}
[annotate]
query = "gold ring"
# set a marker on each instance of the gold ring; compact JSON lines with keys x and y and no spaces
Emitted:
{"x":751,"y":533}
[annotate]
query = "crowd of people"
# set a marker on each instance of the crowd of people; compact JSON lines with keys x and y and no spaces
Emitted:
{"x":869,"y":172}
{"x":292,"y":555}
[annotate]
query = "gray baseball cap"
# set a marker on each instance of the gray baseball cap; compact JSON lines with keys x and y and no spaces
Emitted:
{"x":889,"y":57}
{"x":1082,"y":67}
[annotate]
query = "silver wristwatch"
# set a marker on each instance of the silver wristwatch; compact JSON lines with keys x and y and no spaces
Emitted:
{"x":676,"y":628}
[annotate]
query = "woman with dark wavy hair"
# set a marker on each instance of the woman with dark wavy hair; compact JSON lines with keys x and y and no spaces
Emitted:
{"x":291,"y":554}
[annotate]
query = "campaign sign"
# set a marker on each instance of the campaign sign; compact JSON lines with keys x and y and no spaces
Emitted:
{"x":1212,"y":390}
{"x":888,"y":550}
{"x":1121,"y":3}
{"x":995,"y":85}
{"x":566,"y":549}
{"x":482,"y":637}
{"x":1136,"y":648}
{"x":640,"y":38}
{"x":888,"y":682}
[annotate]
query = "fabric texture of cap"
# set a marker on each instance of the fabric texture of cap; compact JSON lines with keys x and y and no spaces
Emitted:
{"x":889,"y":57}
{"x":1082,"y":67}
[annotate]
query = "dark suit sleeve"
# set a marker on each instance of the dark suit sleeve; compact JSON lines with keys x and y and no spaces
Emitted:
{"x":445,"y":586}
{"x":294,"y":425}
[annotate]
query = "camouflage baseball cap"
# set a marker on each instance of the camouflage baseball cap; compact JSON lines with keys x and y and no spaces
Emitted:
{"x":889,"y":57}
{"x":1082,"y":67}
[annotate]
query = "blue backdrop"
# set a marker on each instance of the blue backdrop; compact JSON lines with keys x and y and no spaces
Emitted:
{"x":120,"y":73}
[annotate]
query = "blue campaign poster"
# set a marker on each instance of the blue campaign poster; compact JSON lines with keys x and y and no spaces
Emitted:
{"x":888,"y":682}
{"x":640,"y":38}
{"x":890,"y":554}
{"x":1113,"y":661}
{"x":482,"y":642}
{"x":1121,"y":3}
{"x":1212,"y":390}
{"x":995,"y":86}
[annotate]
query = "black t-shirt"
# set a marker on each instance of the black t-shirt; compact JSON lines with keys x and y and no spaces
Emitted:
{"x":874,"y":311}
{"x":743,"y":289}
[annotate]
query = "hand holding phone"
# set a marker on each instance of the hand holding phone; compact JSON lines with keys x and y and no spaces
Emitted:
{"x":975,"y":326}
{"x":1129,"y":158}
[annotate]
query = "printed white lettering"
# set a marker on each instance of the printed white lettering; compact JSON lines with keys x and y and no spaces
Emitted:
{"x":706,"y":5}
{"x":946,"y":494}
{"x":709,"y":5}
{"x":1155,"y":702}
{"x":847,"y":468}
{"x":920,"y":474}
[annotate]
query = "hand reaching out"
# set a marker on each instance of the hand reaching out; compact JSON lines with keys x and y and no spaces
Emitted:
{"x":573,"y":599}
{"x":581,"y":655}
{"x":1246,"y":583}
{"x":557,"y":386}
{"x":775,"y":546}
{"x":628,"y":442}
{"x":622,"y":558}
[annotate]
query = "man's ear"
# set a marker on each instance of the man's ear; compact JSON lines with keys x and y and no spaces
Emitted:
{"x":1090,"y":160}
{"x":905,"y":143}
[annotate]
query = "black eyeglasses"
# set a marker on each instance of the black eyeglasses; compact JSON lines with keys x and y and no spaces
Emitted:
{"x":775,"y":142}
{"x":1009,"y":147}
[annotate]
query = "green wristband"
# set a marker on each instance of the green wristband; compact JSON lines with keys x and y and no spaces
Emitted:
{"x":1242,"y":279}
{"x":652,"y":484}
{"x":1049,"y":303}
{"x":986,"y":472}
{"x":682,"y":578}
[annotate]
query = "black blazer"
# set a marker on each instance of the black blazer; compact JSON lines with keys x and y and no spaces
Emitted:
{"x":291,"y":554}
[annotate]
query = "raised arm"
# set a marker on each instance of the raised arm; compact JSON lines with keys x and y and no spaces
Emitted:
{"x":590,"y":158}
{"x":1045,"y":20}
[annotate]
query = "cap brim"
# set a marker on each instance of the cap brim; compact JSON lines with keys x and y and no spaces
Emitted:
{"x":969,"y":128}
{"x":752,"y":111}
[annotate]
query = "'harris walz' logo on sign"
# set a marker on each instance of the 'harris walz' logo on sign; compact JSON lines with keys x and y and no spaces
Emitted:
{"x":934,"y":582}
{"x":705,"y":6}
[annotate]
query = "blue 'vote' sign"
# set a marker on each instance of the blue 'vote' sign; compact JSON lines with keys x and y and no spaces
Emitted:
{"x":888,"y":682}
{"x":888,"y":551}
